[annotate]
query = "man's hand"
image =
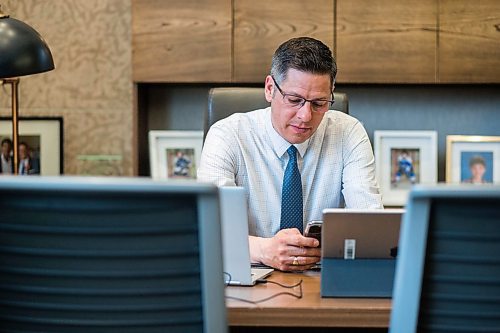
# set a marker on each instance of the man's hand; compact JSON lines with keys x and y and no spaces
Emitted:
{"x":288,"y":250}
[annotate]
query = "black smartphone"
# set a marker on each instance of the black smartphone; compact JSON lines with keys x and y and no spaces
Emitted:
{"x":313,"y":229}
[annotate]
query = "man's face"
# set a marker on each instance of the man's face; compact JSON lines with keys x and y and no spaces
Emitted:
{"x":23,"y":152}
{"x":6,"y":148}
{"x":294,"y":124}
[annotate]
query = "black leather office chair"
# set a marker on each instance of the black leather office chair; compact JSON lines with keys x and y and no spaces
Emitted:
{"x":222,"y":102}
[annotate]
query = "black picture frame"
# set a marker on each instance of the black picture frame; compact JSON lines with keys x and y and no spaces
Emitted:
{"x":45,"y":131}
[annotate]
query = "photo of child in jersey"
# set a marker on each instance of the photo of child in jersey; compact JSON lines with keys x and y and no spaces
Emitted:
{"x":181,"y":163}
{"x":476,"y":167}
{"x":405,"y":167}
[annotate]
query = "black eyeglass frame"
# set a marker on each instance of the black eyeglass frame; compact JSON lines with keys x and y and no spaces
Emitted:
{"x":304,"y":100}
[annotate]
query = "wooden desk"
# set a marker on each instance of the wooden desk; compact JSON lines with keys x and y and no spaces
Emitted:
{"x":309,"y":311}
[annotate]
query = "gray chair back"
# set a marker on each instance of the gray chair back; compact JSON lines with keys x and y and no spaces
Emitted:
{"x":86,"y":255}
{"x":222,"y":102}
{"x":448,"y":266}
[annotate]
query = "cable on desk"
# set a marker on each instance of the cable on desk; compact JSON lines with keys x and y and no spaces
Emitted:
{"x":229,"y":278}
{"x":298,"y":284}
{"x":298,"y":296}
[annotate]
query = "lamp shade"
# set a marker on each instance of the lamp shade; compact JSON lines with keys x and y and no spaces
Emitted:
{"x":22,"y":50}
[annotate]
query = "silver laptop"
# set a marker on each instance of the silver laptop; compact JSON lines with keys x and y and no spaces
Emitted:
{"x":353,"y":233}
{"x":236,"y":252}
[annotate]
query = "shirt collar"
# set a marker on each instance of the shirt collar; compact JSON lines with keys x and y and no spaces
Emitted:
{"x":279,"y":144}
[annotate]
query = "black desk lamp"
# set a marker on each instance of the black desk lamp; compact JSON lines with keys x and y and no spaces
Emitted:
{"x":22,"y":52}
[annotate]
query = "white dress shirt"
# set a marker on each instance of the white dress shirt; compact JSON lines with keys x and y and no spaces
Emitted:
{"x":336,"y":165}
{"x":6,"y":165}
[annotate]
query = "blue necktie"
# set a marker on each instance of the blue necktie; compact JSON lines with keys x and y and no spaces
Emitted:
{"x":291,"y":194}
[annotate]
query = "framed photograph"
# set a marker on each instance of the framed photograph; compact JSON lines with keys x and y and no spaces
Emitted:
{"x":40,"y":143}
{"x":404,"y":158}
{"x":175,"y":154}
{"x":472,"y":159}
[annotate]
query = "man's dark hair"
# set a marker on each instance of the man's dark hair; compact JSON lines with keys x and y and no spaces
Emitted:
{"x":477,"y":160}
{"x":7,"y":140}
{"x":304,"y":54}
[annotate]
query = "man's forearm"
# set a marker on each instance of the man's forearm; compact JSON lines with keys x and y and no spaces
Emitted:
{"x":255,"y":245}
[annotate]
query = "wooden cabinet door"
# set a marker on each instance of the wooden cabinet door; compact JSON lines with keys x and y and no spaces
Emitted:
{"x":469,"y":41}
{"x":260,"y":26}
{"x":181,"y":40}
{"x":386,"y":41}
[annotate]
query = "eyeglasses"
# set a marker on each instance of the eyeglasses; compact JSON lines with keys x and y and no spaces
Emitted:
{"x":294,"y":101}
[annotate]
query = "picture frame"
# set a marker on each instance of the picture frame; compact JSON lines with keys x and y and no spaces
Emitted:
{"x":44,"y":137}
{"x":399,"y":158}
{"x":472,"y":159}
{"x":175,"y":154}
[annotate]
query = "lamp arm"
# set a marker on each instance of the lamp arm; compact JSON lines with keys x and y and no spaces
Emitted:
{"x":14,"y":83}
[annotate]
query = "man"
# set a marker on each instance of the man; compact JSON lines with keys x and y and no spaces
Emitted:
{"x":262,"y":150}
{"x":27,"y":164}
{"x":7,"y":163}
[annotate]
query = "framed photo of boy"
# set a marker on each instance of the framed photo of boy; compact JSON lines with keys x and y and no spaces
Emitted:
{"x":472,"y":159}
{"x":40,"y":150}
{"x":404,"y":158}
{"x":174,"y":154}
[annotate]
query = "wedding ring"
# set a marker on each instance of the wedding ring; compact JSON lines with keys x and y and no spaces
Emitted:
{"x":295,"y":261}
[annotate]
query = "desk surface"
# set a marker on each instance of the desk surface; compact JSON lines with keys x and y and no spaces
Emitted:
{"x":309,"y":311}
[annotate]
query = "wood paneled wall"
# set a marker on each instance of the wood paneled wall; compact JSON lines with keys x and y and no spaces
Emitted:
{"x":261,"y":25}
{"x":382,"y":41}
{"x":386,"y":41}
{"x":182,"y":40}
{"x":469,"y":41}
